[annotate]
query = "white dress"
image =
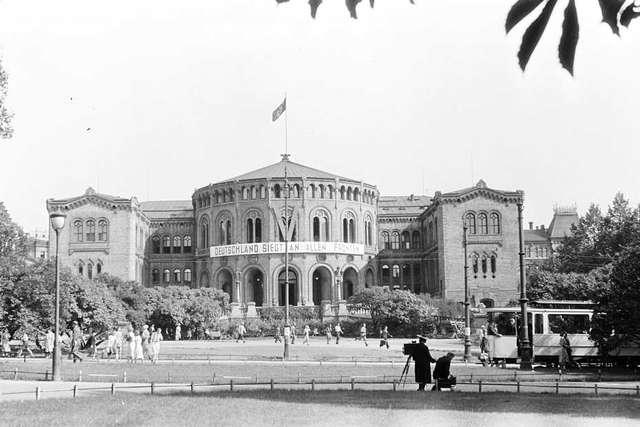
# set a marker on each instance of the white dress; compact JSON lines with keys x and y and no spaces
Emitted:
{"x":137,"y":351}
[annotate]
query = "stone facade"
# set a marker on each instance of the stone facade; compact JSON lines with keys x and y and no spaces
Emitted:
{"x":344,"y":237}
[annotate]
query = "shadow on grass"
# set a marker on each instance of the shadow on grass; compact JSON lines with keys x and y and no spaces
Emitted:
{"x":542,"y":403}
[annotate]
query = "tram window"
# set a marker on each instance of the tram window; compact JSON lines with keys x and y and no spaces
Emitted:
{"x":506,"y":323}
{"x":539,"y":326}
{"x":570,"y":323}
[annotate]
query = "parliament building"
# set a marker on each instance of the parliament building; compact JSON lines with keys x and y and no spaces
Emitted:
{"x":343,"y":237}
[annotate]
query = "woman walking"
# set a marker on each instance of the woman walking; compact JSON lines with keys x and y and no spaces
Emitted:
{"x":156,"y":337}
{"x":137,"y":347}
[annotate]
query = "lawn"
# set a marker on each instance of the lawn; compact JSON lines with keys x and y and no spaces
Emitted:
{"x":342,"y":408}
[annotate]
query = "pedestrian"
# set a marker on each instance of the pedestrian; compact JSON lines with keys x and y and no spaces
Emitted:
{"x":76,"y":341}
{"x":178,"y":335}
{"x":363,"y":334}
{"x":49,"y":342}
{"x":293,"y":332}
{"x":90,"y":343}
{"x":118,"y":340}
{"x":423,"y":360}
{"x":277,"y":337}
{"x":111,"y":344}
{"x":327,"y":331}
{"x":240,"y":331}
{"x":306,"y":331}
{"x":384,"y":337}
{"x":137,"y":347}
{"x":24,"y":345}
{"x":338,"y":331}
{"x":5,"y":337}
{"x":565,"y":353}
{"x":156,"y":338}
{"x":146,"y":347}
{"x":132,"y":345}
{"x":484,"y":346}
{"x":492,"y":335}
{"x":315,"y":331}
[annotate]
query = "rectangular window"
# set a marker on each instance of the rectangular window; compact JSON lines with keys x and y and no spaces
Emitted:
{"x":539,"y":326}
{"x":569,"y":323}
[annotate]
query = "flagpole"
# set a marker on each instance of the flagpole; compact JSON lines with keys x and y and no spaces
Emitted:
{"x":286,"y":232}
{"x":286,"y":129}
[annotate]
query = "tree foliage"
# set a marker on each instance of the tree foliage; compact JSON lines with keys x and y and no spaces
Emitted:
{"x":614,"y":13}
{"x":6,"y":131}
{"x":548,"y":285}
{"x":598,"y":239}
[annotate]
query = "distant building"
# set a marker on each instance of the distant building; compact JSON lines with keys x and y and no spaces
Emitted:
{"x":540,"y":243}
{"x":37,"y":245}
{"x":343,"y":235}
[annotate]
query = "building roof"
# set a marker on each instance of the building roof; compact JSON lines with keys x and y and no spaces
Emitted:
{"x":294,"y":170}
{"x":160,"y":209}
{"x":402,"y":205}
{"x":480,"y":186}
{"x":535,"y":236}
{"x":563,"y":219}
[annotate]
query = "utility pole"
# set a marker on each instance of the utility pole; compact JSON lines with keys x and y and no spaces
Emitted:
{"x":526,"y":355}
{"x":467,"y":323}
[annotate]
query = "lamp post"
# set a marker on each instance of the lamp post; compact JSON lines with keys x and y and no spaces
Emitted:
{"x":467,"y":323}
{"x":525,"y":350}
{"x":57,"y":223}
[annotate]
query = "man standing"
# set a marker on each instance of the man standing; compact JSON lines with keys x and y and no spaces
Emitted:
{"x":338,"y":331}
{"x":384,"y":337}
{"x":117,"y":342}
{"x":423,"y":360}
{"x":76,"y":341}
{"x":50,"y":337}
{"x":327,"y":331}
{"x":306,"y":334}
{"x":363,"y":334}
{"x":241,"y":331}
{"x":24,"y":345}
{"x":156,"y":337}
{"x":178,"y":334}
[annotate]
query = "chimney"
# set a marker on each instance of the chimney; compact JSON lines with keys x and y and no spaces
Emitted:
{"x":530,"y":225}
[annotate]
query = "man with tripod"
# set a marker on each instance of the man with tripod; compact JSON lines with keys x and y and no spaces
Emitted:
{"x":422,"y":358}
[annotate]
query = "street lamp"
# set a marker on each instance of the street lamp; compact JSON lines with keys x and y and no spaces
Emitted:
{"x":467,"y":323}
{"x":57,"y":223}
{"x":526,"y":353}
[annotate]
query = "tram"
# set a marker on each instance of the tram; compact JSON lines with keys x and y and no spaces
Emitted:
{"x":546,"y":320}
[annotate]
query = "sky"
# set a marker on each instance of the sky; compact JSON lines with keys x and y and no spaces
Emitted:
{"x":154,"y":98}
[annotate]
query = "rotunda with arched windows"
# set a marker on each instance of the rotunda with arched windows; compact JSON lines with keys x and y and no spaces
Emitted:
{"x":329,"y":223}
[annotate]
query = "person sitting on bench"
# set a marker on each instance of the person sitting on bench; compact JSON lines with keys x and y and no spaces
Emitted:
{"x":442,"y":373}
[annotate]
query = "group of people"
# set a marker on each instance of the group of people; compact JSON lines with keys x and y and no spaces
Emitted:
{"x":423,"y":360}
{"x":143,"y":344}
{"x":330,"y":331}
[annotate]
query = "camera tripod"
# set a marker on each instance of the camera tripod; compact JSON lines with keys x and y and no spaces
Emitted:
{"x":405,"y":371}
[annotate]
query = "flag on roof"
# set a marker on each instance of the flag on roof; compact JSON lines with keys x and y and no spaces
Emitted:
{"x":278,"y":111}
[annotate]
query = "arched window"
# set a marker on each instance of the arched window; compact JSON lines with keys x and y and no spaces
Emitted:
{"x":349,"y":194}
{"x":176,"y":276}
{"x":415,"y":240}
{"x":277,"y":191}
{"x":186,"y":242}
{"x":395,"y":272}
{"x":91,"y":231}
{"x":352,"y":230}
{"x":386,"y":242}
{"x":296,"y":191}
{"x":230,"y":194}
{"x":187,"y":275}
{"x":484,"y":266}
{"x":166,"y":276}
{"x":258,"y":225}
{"x":493,"y":265}
{"x":228,"y":231}
{"x":254,"y":195}
{"x":90,"y":271}
{"x":495,"y":223}
{"x":245,"y":193}
{"x":343,"y":192}
{"x":250,"y":230}
{"x":528,"y":251}
{"x":102,"y":230}
{"x":155,"y":244}
{"x":98,"y":268}
{"x":331,"y":192}
{"x":77,"y":230}
{"x":470,"y":220}
{"x":155,"y":275}
{"x":482,"y":222}
{"x":177,"y":245}
{"x":368,"y":231}
{"x":395,"y":240}
{"x":166,"y":245}
{"x":312,"y":189}
{"x":406,"y":240}
{"x":216,"y":195}
{"x":474,"y":264}
{"x":356,"y":195}
{"x":316,"y":229}
{"x":204,"y":232}
{"x":386,"y":276}
{"x":80,"y":269}
{"x":262,"y":192}
{"x":345,"y":230}
{"x":322,"y":191}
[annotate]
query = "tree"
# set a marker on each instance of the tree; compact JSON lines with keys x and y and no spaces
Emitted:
{"x":547,"y":285}
{"x":617,"y":306}
{"x":6,"y":131}
{"x":597,"y":240}
{"x":614,"y":12}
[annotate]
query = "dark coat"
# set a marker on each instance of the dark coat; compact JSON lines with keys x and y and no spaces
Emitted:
{"x":442,"y":369}
{"x":423,"y":360}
